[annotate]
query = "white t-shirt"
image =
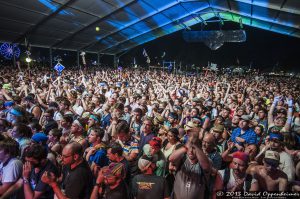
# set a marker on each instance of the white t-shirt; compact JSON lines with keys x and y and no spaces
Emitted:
{"x":231,"y":182}
{"x":12,"y":171}
{"x":57,"y":116}
{"x":98,"y":111}
{"x":286,"y":164}
{"x":78,"y":109}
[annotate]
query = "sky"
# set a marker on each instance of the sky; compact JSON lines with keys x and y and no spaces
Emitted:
{"x":263,"y":49}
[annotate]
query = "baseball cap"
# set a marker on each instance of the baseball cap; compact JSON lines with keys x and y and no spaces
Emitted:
{"x":144,"y":162}
{"x":196,"y":99}
{"x":196,"y":119}
{"x":272,"y":158}
{"x":39,"y":137}
{"x":277,"y":136}
{"x":218,"y":128}
{"x":273,"y":155}
{"x":9,"y":103}
{"x":245,"y":117}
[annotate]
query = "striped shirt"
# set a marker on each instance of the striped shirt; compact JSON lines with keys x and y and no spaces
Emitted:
{"x":131,"y":146}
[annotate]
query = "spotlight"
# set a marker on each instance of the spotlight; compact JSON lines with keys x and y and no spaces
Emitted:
{"x":28,"y":60}
{"x":97,"y":29}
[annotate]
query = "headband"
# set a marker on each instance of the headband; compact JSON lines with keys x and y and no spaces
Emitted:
{"x":94,"y":118}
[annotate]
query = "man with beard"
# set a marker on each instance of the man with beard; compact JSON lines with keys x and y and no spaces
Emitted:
{"x":147,"y":185}
{"x":77,"y":130}
{"x":286,"y":163}
{"x":110,"y":183}
{"x":49,"y":122}
{"x":115,"y":154}
{"x":136,"y":122}
{"x":218,"y":131}
{"x":243,"y":135}
{"x":235,"y":178}
{"x":146,"y":133}
{"x":209,"y":148}
{"x":226,"y":115}
{"x":268,"y":175}
{"x":280,"y":121}
{"x":194,"y":169}
{"x":35,"y":166}
{"x":235,"y":122}
{"x":130,"y":146}
{"x":77,"y":176}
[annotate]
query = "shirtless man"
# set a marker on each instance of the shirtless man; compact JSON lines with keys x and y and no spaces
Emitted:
{"x":268,"y":175}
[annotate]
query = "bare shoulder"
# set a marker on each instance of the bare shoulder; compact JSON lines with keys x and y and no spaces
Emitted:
{"x":257,"y":168}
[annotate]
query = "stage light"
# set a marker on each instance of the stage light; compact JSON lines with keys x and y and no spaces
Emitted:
{"x":28,"y":60}
{"x":97,"y":29}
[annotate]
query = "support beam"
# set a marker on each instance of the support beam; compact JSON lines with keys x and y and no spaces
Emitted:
{"x":50,"y":57}
{"x":271,"y":6}
{"x":229,"y":6}
{"x":162,"y":25}
{"x":127,"y":26}
{"x":278,"y":13}
{"x":98,"y":59}
{"x":116,"y":61}
{"x":251,"y":12}
{"x":94,"y":23}
{"x":78,"y":60}
{"x":44,"y":20}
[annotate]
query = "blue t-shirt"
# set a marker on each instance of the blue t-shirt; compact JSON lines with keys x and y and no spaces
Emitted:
{"x":249,"y":136}
{"x":99,"y":158}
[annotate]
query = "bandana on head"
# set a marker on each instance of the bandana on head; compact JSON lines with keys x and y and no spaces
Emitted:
{"x":241,"y":156}
{"x":155,"y":142}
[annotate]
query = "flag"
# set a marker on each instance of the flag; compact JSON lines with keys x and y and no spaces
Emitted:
{"x":145,"y":53}
{"x":59,"y":68}
{"x":163,"y":55}
{"x":213,"y":67}
{"x":134,"y":61}
{"x":148,"y":60}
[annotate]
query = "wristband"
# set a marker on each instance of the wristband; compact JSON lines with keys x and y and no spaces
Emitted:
{"x":25,"y":181}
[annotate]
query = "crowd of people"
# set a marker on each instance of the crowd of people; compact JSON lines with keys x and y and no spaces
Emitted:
{"x":142,"y":134}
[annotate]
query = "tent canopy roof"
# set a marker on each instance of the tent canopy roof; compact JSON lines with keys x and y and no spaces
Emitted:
{"x":114,"y":26}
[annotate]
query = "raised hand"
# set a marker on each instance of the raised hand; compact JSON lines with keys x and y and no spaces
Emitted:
{"x":48,"y":178}
{"x":27,"y":170}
